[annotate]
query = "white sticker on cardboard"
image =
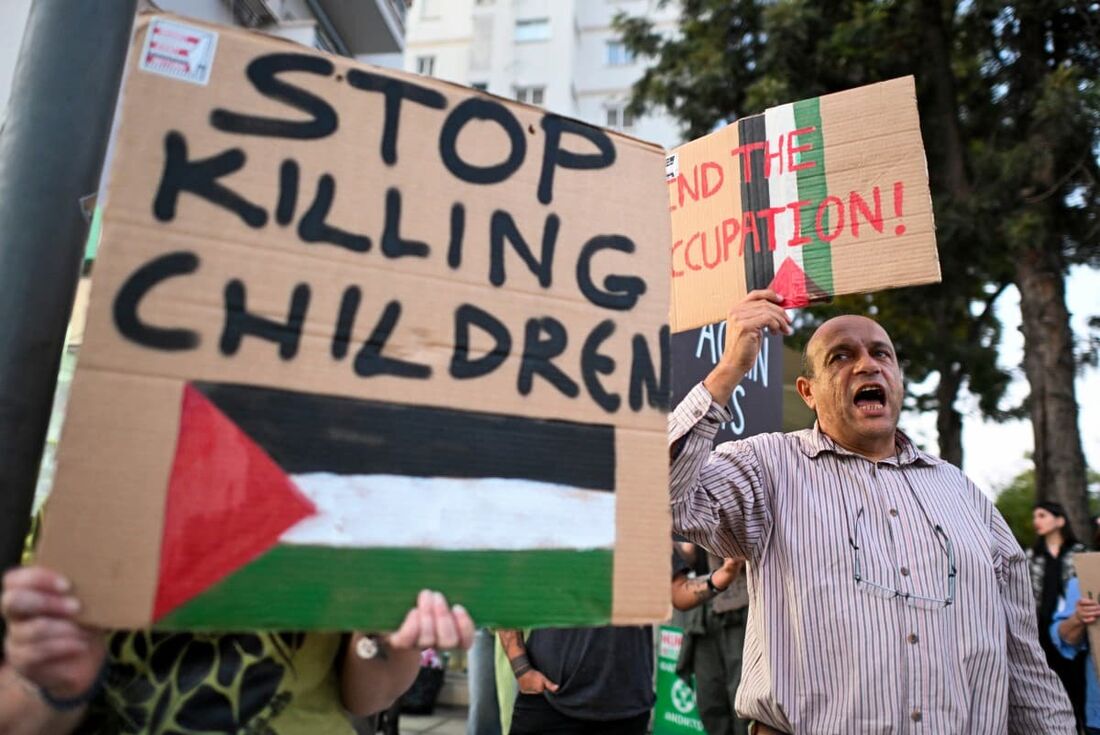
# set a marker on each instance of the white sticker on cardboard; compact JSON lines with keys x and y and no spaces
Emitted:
{"x":179,"y":51}
{"x":672,"y":167}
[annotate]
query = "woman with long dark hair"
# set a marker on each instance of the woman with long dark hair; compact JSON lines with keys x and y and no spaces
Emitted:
{"x":1051,"y":561}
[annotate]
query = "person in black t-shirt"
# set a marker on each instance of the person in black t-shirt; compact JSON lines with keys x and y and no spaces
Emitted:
{"x":582,"y":681}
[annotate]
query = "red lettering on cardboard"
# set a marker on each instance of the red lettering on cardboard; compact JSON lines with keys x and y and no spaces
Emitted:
{"x":822,"y":209}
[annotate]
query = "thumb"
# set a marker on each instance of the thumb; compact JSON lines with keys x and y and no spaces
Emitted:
{"x":550,"y":685}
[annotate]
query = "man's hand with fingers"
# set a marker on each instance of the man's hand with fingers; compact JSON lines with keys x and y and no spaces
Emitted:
{"x":44,"y":644}
{"x":745,"y":326}
{"x":534,"y":682}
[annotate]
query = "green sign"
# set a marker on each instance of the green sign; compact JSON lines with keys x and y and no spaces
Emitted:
{"x":675,"y":713}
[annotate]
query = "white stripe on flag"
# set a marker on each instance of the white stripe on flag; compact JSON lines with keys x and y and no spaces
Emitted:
{"x":782,"y":188}
{"x":362,"y":511}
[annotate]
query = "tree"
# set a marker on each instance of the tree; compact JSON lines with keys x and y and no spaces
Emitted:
{"x":1040,"y":178}
{"x":732,"y":59}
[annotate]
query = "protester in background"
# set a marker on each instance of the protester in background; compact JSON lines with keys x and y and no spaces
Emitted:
{"x":60,"y":677}
{"x":582,"y":681}
{"x":888,"y":594}
{"x":715,"y":602}
{"x":1069,"y":631}
{"x":1051,"y":563}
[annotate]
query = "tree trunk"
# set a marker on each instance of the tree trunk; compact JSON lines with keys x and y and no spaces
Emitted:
{"x":939,"y":103}
{"x":1050,"y":369}
{"x":948,"y":420}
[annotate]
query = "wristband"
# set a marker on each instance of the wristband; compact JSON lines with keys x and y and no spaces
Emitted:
{"x":520,"y":665}
{"x":714,"y":589}
{"x":67,"y":704}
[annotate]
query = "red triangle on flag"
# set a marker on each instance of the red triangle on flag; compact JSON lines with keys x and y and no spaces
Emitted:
{"x":228,"y":503}
{"x":790,"y":283}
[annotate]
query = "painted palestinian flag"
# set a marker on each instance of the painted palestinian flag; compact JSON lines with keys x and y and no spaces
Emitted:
{"x":278,"y":499}
{"x":797,"y":266}
{"x":814,"y":199}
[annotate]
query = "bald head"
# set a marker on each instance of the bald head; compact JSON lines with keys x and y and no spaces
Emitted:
{"x":829,"y":329}
{"x":852,"y":381}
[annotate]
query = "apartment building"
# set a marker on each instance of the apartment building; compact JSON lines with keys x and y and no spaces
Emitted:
{"x":560,"y":54}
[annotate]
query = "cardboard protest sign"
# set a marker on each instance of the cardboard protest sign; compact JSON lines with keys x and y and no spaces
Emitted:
{"x":354,"y":333}
{"x":1087,"y":567}
{"x":814,"y":199}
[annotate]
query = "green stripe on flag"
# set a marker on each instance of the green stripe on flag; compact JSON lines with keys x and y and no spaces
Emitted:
{"x":326,"y":588}
{"x":817,"y":259}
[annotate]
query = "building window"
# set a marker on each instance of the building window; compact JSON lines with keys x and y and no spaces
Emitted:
{"x":530,"y":95}
{"x":533,"y":29}
{"x":480,"y":86}
{"x":618,"y":54}
{"x":619,"y":118}
{"x":425,"y":65}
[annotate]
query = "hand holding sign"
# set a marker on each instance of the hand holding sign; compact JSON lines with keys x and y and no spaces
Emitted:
{"x":745,"y":327}
{"x":433,"y":624}
{"x":45,"y":646}
{"x":1088,"y":610}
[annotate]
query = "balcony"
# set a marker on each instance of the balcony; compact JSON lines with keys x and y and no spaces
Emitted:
{"x":364,"y":26}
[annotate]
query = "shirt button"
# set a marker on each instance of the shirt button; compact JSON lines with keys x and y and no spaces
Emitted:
{"x":913,"y":638}
{"x":915,"y":715}
{"x":894,"y":512}
{"x":904,"y":571}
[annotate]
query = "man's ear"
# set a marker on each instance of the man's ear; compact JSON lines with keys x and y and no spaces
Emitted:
{"x":805,"y":389}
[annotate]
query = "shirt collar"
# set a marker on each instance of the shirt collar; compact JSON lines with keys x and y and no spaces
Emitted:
{"x":814,"y":441}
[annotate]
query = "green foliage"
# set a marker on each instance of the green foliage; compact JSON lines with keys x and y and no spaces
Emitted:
{"x":1016,"y":501}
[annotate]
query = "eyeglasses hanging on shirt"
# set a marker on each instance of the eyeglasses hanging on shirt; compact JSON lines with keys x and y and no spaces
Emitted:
{"x":942,"y":541}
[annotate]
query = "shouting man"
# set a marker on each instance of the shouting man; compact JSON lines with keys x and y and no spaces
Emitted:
{"x":886,"y":592}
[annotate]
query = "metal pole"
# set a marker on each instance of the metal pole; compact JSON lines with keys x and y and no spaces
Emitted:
{"x":51,"y":151}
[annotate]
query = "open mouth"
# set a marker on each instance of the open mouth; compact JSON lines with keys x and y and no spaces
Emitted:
{"x":870,"y":398}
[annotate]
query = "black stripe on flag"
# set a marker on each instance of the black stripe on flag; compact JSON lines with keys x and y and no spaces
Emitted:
{"x":759,"y":269}
{"x":305,"y":432}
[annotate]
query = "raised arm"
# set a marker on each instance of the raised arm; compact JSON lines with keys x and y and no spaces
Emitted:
{"x":720,"y":503}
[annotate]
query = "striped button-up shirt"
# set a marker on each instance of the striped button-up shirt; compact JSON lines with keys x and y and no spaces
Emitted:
{"x":825,"y":653}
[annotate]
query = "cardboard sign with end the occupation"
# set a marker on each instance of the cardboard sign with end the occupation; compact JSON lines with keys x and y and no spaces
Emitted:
{"x":814,"y":199}
{"x":1087,"y":568}
{"x":354,"y":333}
